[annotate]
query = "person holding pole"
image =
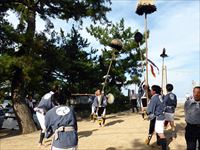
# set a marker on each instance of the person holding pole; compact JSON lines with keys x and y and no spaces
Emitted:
{"x":155,"y":110}
{"x":93,"y":115}
{"x":100,"y":102}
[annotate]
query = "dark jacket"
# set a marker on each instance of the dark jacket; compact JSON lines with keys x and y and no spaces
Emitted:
{"x":62,"y":116}
{"x":156,"y":107}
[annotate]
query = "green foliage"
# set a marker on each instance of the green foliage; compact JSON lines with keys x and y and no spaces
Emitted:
{"x":45,"y":60}
{"x":60,"y":57}
{"x":121,"y":103}
{"x":127,"y":60}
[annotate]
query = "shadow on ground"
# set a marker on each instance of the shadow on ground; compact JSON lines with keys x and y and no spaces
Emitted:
{"x":82,"y":134}
{"x":6,"y":133}
{"x":114,"y":122}
{"x":124,"y":113}
{"x":180,"y":126}
{"x":170,"y":136}
{"x":111,"y":117}
{"x":111,"y":148}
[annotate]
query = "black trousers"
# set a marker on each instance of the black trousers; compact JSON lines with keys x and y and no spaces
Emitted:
{"x":192,"y":135}
{"x":152,"y":129}
{"x":134,"y":105}
{"x":100,"y":114}
{"x":152,"y":125}
{"x":100,"y":111}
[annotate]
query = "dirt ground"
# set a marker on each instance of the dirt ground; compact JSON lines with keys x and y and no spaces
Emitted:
{"x":123,"y":131}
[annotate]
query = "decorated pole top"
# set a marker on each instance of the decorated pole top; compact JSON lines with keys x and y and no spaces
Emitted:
{"x":145,"y":7}
{"x":163,"y":55}
{"x":138,"y":37}
{"x":116,"y":44}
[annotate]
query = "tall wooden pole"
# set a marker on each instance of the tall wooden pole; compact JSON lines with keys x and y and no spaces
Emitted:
{"x":146,"y":7}
{"x":146,"y":81}
{"x":116,"y":46}
{"x":108,"y":71}
{"x":164,"y":71}
{"x":162,"y":74}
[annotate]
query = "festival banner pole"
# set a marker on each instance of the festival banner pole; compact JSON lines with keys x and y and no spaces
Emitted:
{"x":146,"y":7}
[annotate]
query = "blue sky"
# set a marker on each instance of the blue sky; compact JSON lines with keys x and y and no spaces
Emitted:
{"x":174,"y":26}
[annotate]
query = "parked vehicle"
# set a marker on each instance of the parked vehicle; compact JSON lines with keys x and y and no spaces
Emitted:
{"x":9,"y":113}
{"x":6,"y":103}
{"x":2,"y":116}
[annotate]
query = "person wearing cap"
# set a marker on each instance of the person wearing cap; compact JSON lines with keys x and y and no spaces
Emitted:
{"x":47,"y":102}
{"x":170,"y":101}
{"x":61,"y":122}
{"x":192,"y":118}
{"x":100,"y":102}
{"x":155,"y":109}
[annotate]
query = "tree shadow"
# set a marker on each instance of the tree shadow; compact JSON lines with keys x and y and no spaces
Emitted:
{"x":110,"y":117}
{"x":140,"y":145}
{"x":123,"y":113}
{"x":6,"y":133}
{"x":180,"y":126}
{"x":170,"y":136}
{"x":177,"y":118}
{"x":114,"y":122}
{"x":47,"y":142}
{"x":111,"y":148}
{"x":181,"y":110}
{"x":82,"y":134}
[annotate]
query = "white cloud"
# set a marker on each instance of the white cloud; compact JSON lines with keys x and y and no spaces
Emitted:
{"x":178,"y":32}
{"x":174,"y":26}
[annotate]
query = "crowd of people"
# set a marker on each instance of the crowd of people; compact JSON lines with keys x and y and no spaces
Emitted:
{"x":160,"y":111}
{"x":59,"y":120}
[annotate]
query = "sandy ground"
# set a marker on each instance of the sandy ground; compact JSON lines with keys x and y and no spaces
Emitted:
{"x":123,"y":131}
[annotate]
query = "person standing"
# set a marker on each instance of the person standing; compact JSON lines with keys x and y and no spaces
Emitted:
{"x":192,"y":118}
{"x":144,"y":101}
{"x":47,"y":102}
{"x":100,"y":102}
{"x":151,"y":123}
{"x":155,"y":109}
{"x":61,"y":122}
{"x":133,"y":99}
{"x":31,"y":103}
{"x":170,"y":101}
{"x":93,"y":114}
{"x":140,"y":93}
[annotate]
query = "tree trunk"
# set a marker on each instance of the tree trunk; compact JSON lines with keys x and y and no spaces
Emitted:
{"x":30,"y":31}
{"x":23,"y":114}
